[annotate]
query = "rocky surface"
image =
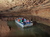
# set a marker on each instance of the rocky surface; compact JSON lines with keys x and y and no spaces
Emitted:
{"x":41,"y":7}
{"x":29,"y":8}
{"x":4,"y":29}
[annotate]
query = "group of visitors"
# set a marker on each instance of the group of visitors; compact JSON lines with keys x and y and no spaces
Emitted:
{"x":23,"y":21}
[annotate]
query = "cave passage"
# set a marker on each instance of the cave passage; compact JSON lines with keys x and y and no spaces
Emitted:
{"x":38,"y":30}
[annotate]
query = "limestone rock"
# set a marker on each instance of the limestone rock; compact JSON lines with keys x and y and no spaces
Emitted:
{"x":20,"y":6}
{"x":4,"y":29}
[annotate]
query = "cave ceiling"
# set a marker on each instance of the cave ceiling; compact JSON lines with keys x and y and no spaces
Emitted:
{"x":9,"y":6}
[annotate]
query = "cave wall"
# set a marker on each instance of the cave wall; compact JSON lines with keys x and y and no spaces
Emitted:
{"x":44,"y":13}
{"x":31,"y":8}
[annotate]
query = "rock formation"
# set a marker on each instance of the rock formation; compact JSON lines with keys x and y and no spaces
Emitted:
{"x":29,"y":8}
{"x":4,"y":29}
{"x":35,"y":7}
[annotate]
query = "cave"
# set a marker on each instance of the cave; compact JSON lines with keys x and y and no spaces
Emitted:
{"x":37,"y":11}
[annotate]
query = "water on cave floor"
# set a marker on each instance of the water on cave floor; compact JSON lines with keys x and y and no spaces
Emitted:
{"x":38,"y":30}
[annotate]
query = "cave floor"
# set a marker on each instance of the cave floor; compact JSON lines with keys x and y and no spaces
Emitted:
{"x":38,"y":30}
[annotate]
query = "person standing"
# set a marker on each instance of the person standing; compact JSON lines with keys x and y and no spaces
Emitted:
{"x":28,"y":22}
{"x":22,"y":19}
